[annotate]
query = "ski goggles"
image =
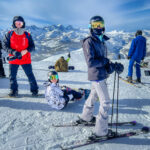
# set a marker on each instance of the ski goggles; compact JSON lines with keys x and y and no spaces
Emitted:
{"x":99,"y":24}
{"x":19,"y":22}
{"x":53,"y":77}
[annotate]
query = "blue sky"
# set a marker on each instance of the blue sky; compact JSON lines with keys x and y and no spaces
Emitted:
{"x":127,"y":15}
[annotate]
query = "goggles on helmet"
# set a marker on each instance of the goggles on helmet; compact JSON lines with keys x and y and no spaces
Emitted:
{"x":53,"y":77}
{"x":98,"y":24}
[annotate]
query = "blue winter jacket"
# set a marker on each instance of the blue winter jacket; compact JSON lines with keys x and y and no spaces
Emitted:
{"x":137,"y":50}
{"x":95,"y":53}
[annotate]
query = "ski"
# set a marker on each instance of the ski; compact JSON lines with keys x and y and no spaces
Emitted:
{"x":85,"y":142}
{"x":131,"y":83}
{"x":132,"y":123}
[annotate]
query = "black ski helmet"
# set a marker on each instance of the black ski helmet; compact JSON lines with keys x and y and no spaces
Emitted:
{"x":50,"y":73}
{"x":97,"y":19}
{"x":18,"y":18}
{"x":138,"y":32}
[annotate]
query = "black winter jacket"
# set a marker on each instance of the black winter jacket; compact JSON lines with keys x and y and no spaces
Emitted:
{"x":95,"y":53}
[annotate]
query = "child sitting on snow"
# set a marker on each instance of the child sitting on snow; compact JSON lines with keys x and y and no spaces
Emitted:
{"x":56,"y":96}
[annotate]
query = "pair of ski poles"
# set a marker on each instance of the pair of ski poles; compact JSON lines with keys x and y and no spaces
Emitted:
{"x":114,"y":88}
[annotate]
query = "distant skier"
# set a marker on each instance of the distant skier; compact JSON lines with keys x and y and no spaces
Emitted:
{"x":137,"y":52}
{"x":99,"y":68}
{"x":18,"y":43}
{"x":61,"y":64}
{"x":2,"y":72}
{"x":56,"y":96}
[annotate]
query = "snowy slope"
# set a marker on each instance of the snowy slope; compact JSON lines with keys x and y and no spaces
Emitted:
{"x":26,"y":123}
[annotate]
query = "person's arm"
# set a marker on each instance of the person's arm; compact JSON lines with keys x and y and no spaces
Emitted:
{"x":57,"y":63}
{"x":6,"y":44}
{"x":132,"y":48}
{"x":31,"y":44}
{"x":68,"y":59}
{"x":92,"y":61}
{"x":144,"y":51}
{"x":69,"y":56}
{"x":0,"y":45}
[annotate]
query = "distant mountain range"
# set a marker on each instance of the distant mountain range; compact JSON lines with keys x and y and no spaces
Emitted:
{"x":54,"y":39}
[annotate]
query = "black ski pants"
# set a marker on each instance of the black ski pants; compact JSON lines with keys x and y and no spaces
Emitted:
{"x":13,"y":69}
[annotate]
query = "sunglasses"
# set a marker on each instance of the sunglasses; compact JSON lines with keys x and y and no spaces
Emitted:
{"x":99,"y":24}
{"x":53,"y":77}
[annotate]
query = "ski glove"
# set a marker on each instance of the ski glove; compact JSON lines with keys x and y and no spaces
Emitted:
{"x":106,"y":61}
{"x":119,"y":68}
{"x":128,"y":57}
{"x":17,"y":54}
{"x":110,"y":67}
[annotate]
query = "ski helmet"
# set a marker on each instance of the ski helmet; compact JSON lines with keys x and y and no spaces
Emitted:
{"x":18,"y":18}
{"x":138,"y":32}
{"x":53,"y":75}
{"x":97,"y":25}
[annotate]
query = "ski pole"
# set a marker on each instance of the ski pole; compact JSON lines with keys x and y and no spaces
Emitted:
{"x":117,"y":103}
{"x":113,"y":99}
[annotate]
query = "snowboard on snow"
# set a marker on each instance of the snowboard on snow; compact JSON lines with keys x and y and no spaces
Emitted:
{"x":69,"y":67}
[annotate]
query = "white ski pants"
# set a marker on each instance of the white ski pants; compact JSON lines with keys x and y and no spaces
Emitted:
{"x":98,"y":91}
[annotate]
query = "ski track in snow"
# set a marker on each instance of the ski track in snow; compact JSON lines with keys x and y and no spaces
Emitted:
{"x":26,"y":123}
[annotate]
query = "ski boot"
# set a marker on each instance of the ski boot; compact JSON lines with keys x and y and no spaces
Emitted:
{"x":138,"y":80}
{"x":95,"y":137}
{"x":35,"y":93}
{"x":81,"y":121}
{"x":129,"y":79}
{"x":13,"y":93}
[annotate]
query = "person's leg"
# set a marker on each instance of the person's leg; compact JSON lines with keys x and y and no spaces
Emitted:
{"x":138,"y":69}
{"x":87,"y":113}
{"x":75,"y":94}
{"x":12,"y":76}
{"x":28,"y":71}
{"x":101,"y":127}
{"x":2,"y":73}
{"x":130,"y":68}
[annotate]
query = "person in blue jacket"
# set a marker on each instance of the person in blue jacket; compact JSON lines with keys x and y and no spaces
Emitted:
{"x":137,"y":52}
{"x":99,"y":68}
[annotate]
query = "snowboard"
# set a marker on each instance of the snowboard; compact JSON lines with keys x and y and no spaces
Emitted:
{"x":69,"y":67}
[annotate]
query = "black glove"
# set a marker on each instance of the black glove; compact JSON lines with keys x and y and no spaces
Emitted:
{"x":106,"y":61}
{"x":110,"y":67}
{"x":128,"y":57}
{"x":119,"y":68}
{"x":17,"y":54}
{"x":69,"y":55}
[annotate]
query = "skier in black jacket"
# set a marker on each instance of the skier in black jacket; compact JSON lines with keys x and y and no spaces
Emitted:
{"x":99,"y":68}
